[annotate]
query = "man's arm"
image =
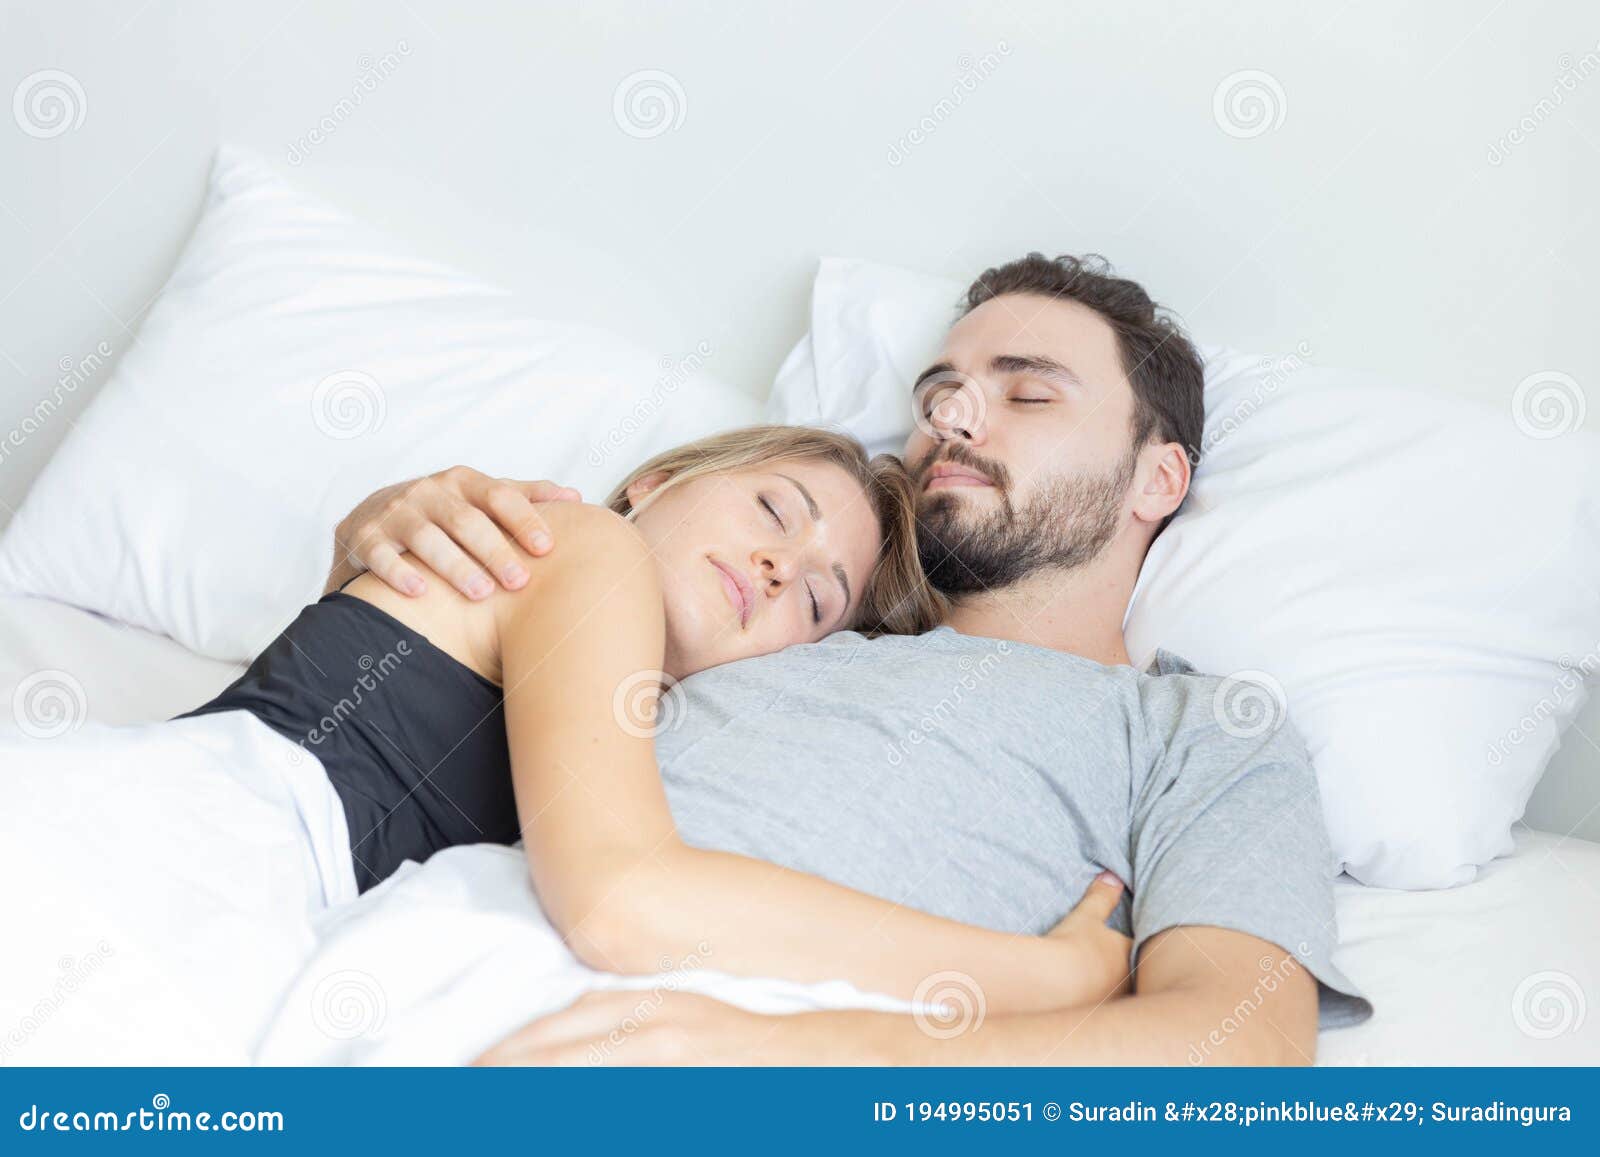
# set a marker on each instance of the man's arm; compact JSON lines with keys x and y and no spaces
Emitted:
{"x":1202,"y":995}
{"x":460,"y":523}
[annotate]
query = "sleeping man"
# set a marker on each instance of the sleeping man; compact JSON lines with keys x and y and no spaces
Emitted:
{"x":992,"y":768}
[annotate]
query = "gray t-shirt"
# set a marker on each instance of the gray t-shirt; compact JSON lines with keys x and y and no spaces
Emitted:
{"x":989,"y":781}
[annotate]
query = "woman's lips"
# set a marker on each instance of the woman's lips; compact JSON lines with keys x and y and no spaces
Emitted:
{"x":737,"y":588}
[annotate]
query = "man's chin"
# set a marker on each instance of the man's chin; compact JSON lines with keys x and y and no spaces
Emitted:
{"x":956,"y":501}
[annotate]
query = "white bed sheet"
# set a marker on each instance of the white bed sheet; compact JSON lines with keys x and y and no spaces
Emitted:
{"x":114,"y":673}
{"x":1498,"y":972}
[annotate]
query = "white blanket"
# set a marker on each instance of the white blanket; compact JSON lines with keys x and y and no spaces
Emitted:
{"x":180,"y":893}
{"x":446,"y":958}
{"x":158,"y":888}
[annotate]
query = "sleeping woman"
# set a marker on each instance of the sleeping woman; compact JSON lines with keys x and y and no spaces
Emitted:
{"x":378,"y":729}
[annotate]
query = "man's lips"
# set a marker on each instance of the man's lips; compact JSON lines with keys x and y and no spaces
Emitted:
{"x":738,"y":590}
{"x":948,"y":476}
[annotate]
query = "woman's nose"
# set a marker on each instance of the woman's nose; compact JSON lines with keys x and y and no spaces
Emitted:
{"x":777,"y":568}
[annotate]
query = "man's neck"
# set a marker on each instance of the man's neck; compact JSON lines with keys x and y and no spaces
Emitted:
{"x":1078,"y":611}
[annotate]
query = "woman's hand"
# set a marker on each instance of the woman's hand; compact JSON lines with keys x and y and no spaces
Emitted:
{"x":459,"y":522}
{"x":1102,"y":955}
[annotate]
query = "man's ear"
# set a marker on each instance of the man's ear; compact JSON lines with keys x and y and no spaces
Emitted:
{"x":1167,"y":473}
{"x":645,"y":485}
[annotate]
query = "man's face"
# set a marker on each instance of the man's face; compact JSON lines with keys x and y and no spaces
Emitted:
{"x":1023,"y":449}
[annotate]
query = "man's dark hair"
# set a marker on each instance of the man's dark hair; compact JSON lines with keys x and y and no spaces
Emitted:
{"x":1160,"y":361}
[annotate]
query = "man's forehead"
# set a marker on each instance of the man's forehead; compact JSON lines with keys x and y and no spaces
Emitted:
{"x":1027,"y":325}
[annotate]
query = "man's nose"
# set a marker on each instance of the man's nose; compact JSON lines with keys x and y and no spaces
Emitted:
{"x":961,"y":414}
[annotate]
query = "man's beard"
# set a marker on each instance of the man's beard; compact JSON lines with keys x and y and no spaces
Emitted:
{"x":1067,"y":525}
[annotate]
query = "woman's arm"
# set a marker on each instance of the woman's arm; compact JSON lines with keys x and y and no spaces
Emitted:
{"x":605,"y":857}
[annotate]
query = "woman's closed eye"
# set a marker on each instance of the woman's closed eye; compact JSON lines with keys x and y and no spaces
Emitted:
{"x":816,"y":608}
{"x":773,"y":511}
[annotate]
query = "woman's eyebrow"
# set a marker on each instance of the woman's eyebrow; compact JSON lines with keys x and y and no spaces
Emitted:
{"x":844,"y":584}
{"x":811,"y":503}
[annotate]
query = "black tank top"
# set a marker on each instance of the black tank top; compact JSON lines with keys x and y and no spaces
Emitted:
{"x":413,"y":741}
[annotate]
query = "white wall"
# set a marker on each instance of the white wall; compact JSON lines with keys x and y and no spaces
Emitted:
{"x":1386,"y":222}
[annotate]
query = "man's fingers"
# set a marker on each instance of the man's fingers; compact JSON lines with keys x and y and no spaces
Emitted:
{"x":485,"y":543}
{"x":557,"y":1038}
{"x":460,"y":523}
{"x":385,"y":560}
{"x":440,"y":552}
{"x":513,"y":509}
{"x":545,"y":491}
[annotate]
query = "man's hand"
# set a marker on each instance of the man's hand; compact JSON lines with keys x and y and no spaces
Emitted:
{"x":458,"y":522}
{"x":647,"y":1027}
{"x":652,"y":1027}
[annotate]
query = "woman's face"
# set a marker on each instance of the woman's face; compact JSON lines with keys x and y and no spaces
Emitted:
{"x":755,"y":560}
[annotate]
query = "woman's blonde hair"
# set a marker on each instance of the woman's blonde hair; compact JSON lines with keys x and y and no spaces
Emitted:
{"x":897,"y":599}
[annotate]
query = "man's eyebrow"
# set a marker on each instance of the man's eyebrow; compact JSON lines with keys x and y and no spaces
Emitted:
{"x":811,"y":503}
{"x":933,"y":371}
{"x":1045,"y":367}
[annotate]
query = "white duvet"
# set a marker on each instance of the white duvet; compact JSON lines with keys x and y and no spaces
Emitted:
{"x":176,"y":893}
{"x":448,"y":957}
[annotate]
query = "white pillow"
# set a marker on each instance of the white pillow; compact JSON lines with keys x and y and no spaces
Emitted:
{"x":1413,"y":573}
{"x":294,"y":363}
{"x":873,"y":329}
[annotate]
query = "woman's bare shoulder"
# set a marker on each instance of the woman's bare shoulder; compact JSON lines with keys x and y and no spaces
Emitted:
{"x":592,"y":543}
{"x":595,"y":595}
{"x":589,"y":525}
{"x":596,"y":550}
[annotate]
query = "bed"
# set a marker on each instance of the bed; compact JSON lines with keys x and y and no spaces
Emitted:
{"x":1445,"y":992}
